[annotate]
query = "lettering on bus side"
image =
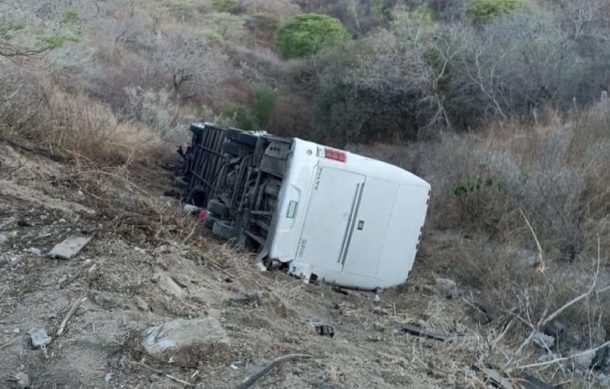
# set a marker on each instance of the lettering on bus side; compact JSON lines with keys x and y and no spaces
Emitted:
{"x":317,"y":179}
{"x":302,"y":247}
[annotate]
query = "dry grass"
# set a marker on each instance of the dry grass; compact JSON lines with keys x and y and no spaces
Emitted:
{"x":87,"y":128}
{"x":70,"y":123}
{"x":556,"y":175}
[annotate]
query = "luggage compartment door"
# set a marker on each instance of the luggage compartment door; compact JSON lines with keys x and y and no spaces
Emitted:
{"x":330,"y":217}
{"x":363,"y":254}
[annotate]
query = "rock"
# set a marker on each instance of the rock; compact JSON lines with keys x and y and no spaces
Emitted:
{"x":583,"y":361}
{"x":140,"y":303}
{"x":21,"y":380}
{"x":39,"y":337}
{"x":108,"y":377}
{"x":8,"y":236}
{"x":16,"y":331}
{"x":34,"y":250}
{"x":168,"y":284}
{"x":154,"y":377}
{"x":247,"y":299}
{"x":186,"y":342}
{"x":604,"y":380}
{"x":543,"y":340}
{"x":70,"y":247}
{"x":447,"y":287}
{"x":528,"y":257}
{"x":546,"y":357}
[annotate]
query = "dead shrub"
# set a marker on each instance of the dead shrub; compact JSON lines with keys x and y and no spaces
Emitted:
{"x":555,"y":174}
{"x":72,"y":124}
{"x":87,"y":128}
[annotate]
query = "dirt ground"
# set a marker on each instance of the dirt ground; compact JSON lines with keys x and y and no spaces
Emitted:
{"x":134,"y":278}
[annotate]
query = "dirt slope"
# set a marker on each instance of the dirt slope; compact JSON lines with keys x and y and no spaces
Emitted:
{"x":133,"y":279}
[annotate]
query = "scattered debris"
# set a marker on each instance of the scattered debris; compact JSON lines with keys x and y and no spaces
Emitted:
{"x":248,"y":382}
{"x":413,"y":329}
{"x":155,"y":377}
{"x":191,"y":209}
{"x":325,"y":330}
{"x":62,"y":326}
{"x":108,"y":377}
{"x":177,"y":339}
{"x":70,"y":247}
{"x":447,"y":287}
{"x":20,"y":380}
{"x":247,"y":299}
{"x":503,"y":381}
{"x":16,"y":331}
{"x":543,"y":340}
{"x":493,"y":377}
{"x":338,"y":289}
{"x":528,"y":381}
{"x":39,"y":337}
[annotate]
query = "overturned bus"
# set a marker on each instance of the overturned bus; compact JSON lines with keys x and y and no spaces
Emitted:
{"x":319,"y":212}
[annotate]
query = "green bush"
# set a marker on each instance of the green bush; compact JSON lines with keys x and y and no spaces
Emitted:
{"x":485,"y":10}
{"x":308,"y":33}
{"x":264,"y":102}
{"x":242,"y":117}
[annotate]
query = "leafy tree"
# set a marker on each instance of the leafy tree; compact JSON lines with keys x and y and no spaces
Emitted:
{"x":308,"y":33}
{"x":485,"y":10}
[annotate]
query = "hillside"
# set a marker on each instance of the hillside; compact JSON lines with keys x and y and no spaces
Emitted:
{"x":500,"y":104}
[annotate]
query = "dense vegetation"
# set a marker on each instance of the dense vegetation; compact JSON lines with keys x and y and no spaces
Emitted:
{"x":500,"y":104}
{"x":357,"y":70}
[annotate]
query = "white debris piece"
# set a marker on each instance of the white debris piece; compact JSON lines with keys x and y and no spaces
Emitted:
{"x":70,"y":247}
{"x":191,"y":209}
{"x":39,"y":337}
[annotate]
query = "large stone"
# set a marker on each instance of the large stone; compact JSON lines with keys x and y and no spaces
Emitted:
{"x":39,"y":337}
{"x":186,"y":342}
{"x":70,"y":247}
{"x":447,"y":287}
